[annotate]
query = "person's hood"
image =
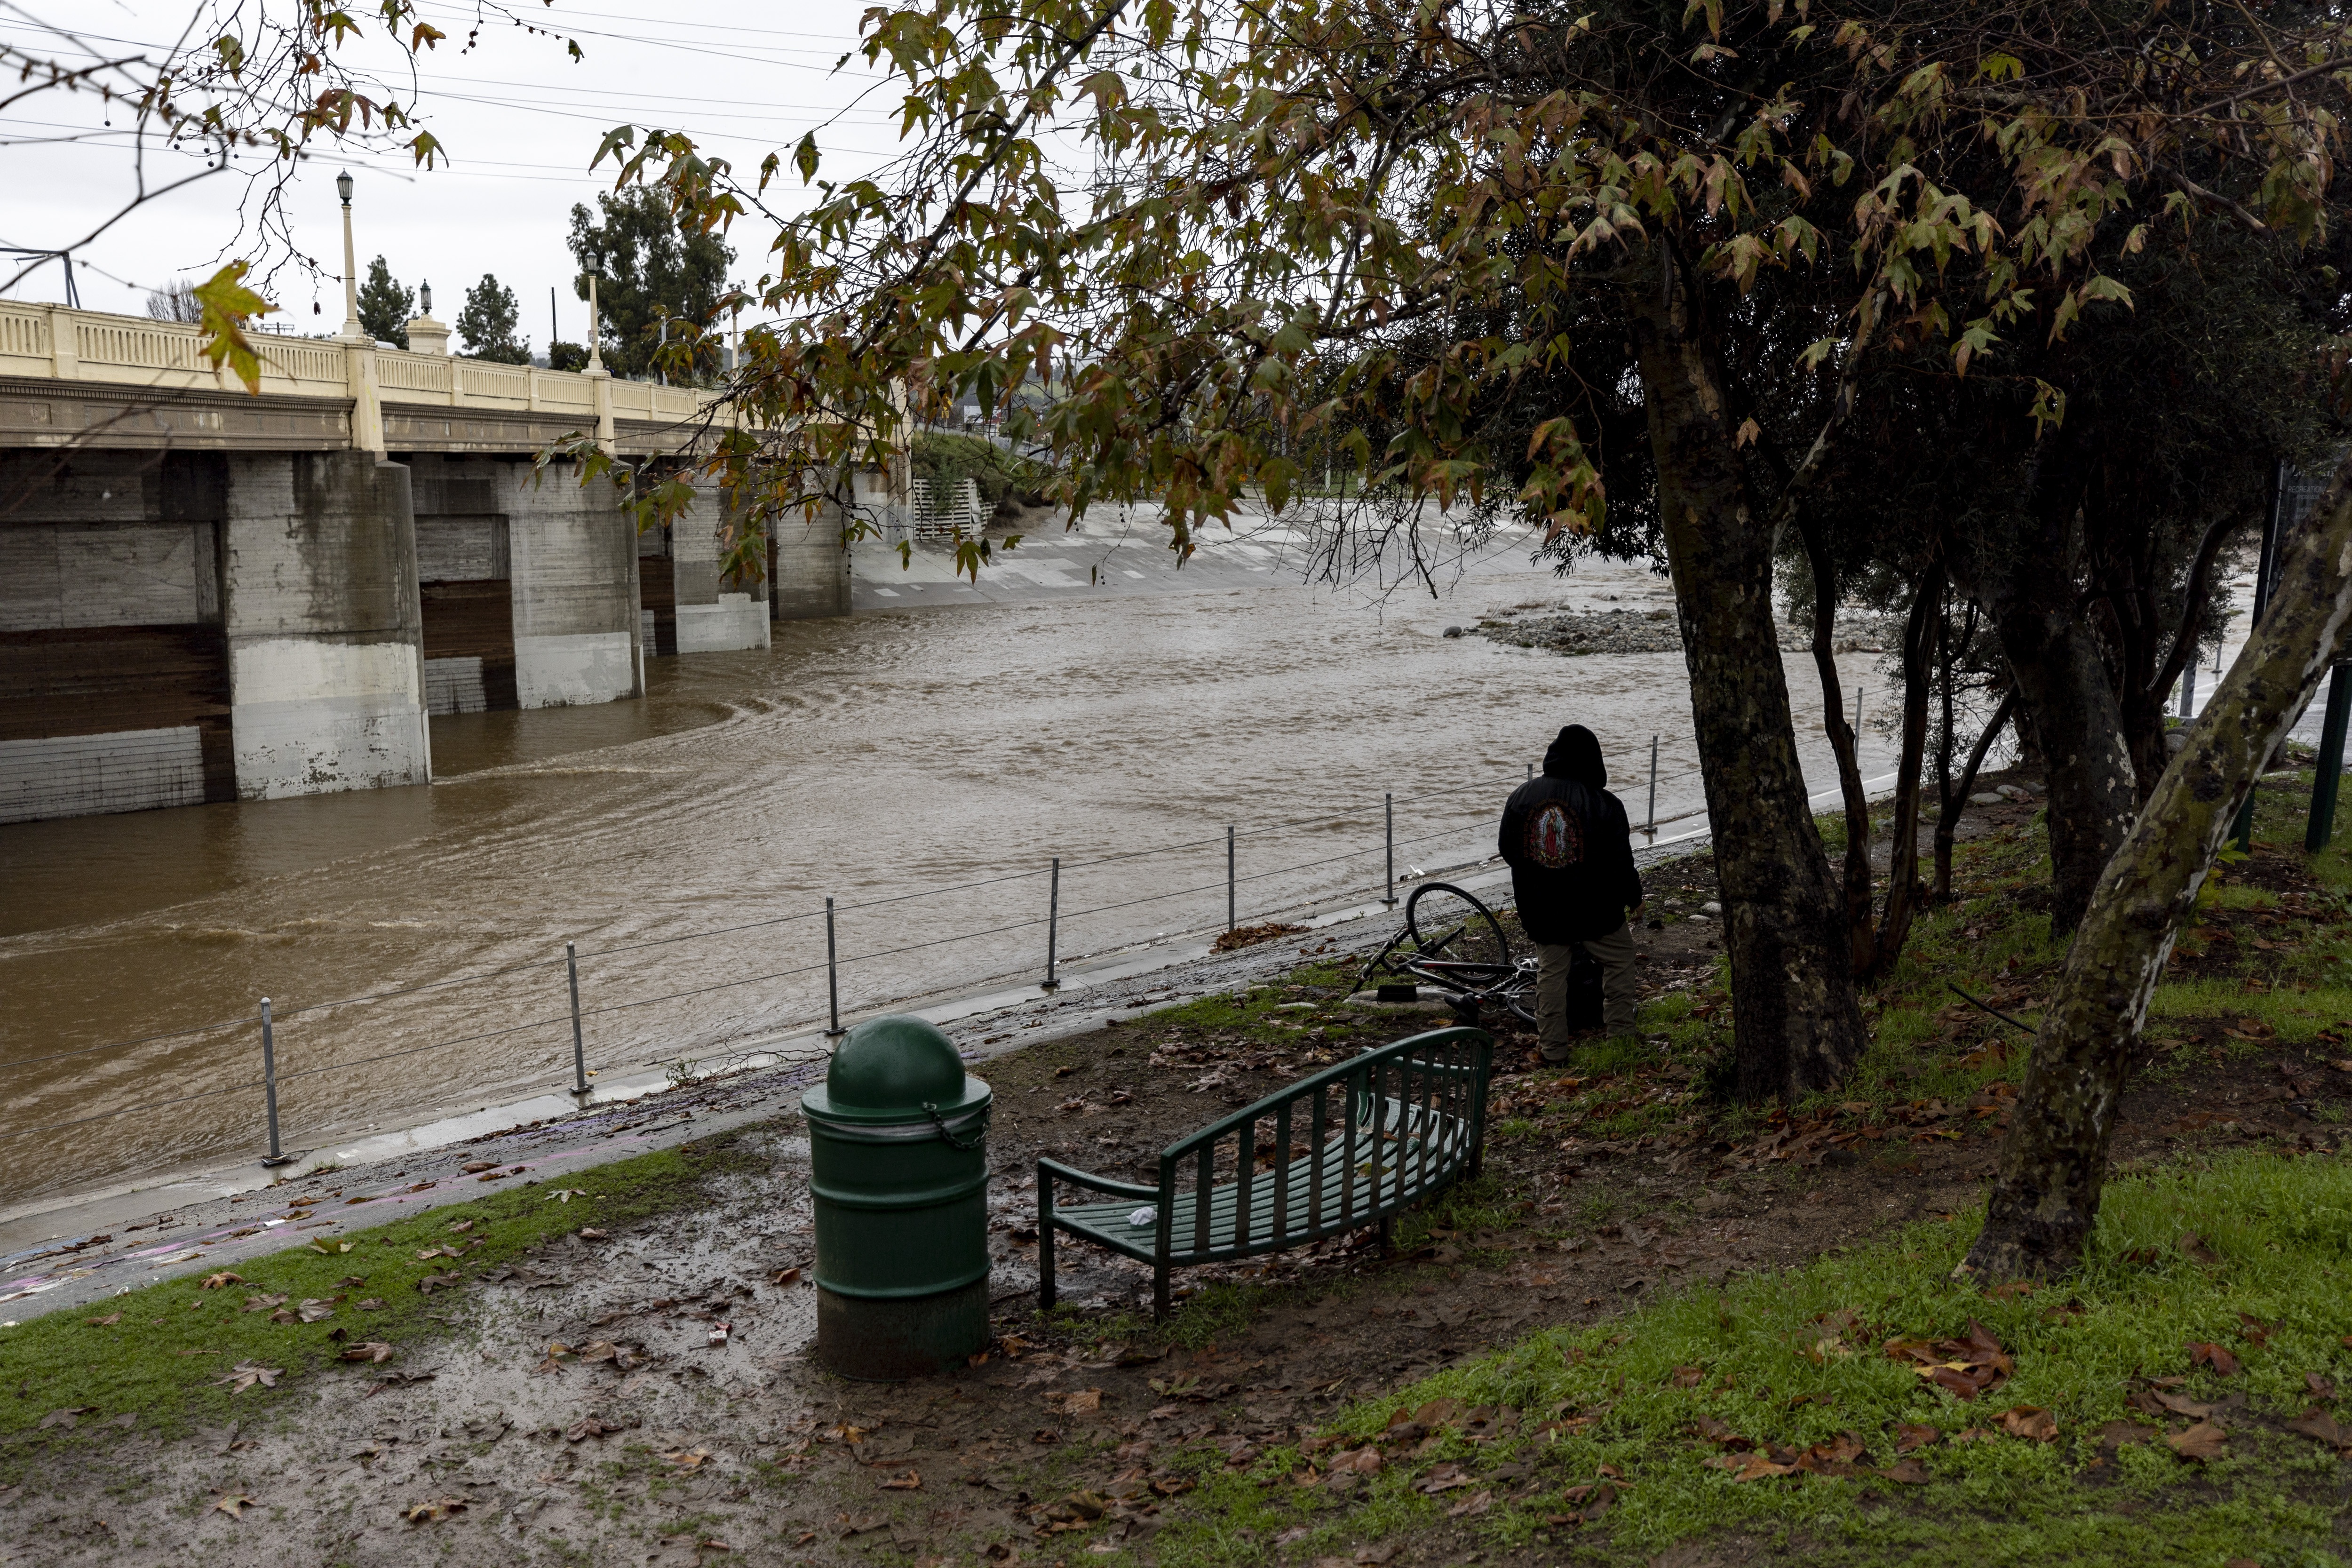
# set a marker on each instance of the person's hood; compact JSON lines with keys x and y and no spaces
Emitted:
{"x":1575,"y":755}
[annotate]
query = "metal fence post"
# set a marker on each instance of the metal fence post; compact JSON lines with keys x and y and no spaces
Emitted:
{"x":1388,"y":811}
{"x":1651,"y":828}
{"x":2330,"y":768}
{"x":1053,"y":926}
{"x":579,"y":1051}
{"x":1231,"y":921}
{"x":831,"y":979}
{"x":269,"y":1084}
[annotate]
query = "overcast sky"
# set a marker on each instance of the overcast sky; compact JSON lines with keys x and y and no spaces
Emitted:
{"x":518,"y":117}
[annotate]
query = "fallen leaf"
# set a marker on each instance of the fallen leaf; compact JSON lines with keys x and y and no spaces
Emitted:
{"x":233,"y":1505}
{"x":68,"y":1418}
{"x":687,"y":1459}
{"x":1076,"y":1402}
{"x":315,"y":1310}
{"x":262,"y":1303}
{"x":373,"y":1351}
{"x":2203,"y":1354}
{"x":590,"y":1232}
{"x":246,"y":1374}
{"x":2320,"y":1387}
{"x":910,"y":1482}
{"x":2031,"y":1422}
{"x":220,"y":1280}
{"x":108,"y":1321}
{"x":1911,"y":1435}
{"x":433,"y":1282}
{"x":473,"y":1165}
{"x":1690,"y":1376}
{"x":566,"y":1194}
{"x":1752,"y":1467}
{"x":2317,"y":1423}
{"x":1470,"y":1507}
{"x":1364,"y":1461}
{"x":2176,"y":1403}
{"x":2200,"y":1442}
{"x":2193,"y":1246}
{"x":1905,"y":1473}
{"x":436,"y":1509}
{"x":1445,"y":1477}
{"x":587,"y":1426}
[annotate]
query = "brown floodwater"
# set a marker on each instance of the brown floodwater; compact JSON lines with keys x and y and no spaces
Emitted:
{"x":687,"y":842}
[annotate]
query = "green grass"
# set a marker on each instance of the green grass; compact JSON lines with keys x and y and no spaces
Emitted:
{"x":134,"y":1366}
{"x":1776,"y":1362}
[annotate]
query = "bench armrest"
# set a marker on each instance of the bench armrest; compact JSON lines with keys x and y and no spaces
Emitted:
{"x":1076,"y":1178}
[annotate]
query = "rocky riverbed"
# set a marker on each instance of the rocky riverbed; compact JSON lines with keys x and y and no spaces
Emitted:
{"x":1586,"y":631}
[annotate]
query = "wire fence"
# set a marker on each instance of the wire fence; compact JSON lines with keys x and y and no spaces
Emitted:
{"x":1441,"y":823}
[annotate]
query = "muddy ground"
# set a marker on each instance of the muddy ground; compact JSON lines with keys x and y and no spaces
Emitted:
{"x":648,"y":1396}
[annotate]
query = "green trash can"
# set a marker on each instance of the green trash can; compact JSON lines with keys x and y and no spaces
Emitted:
{"x":898,"y":1171}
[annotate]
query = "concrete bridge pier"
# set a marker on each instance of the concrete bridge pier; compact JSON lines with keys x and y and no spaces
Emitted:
{"x":322,"y":622}
{"x":716,"y":612}
{"x":808,"y":567}
{"x":573,"y":555}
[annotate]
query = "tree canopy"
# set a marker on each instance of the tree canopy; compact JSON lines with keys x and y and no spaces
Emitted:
{"x":660,"y":274}
{"x":489,"y":321}
{"x":385,"y":305}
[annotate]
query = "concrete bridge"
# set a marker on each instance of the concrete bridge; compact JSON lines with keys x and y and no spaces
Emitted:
{"x":208,"y":594}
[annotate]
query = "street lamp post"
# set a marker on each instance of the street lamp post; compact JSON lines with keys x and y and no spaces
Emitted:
{"x":595,"y":355}
{"x":352,"y":330}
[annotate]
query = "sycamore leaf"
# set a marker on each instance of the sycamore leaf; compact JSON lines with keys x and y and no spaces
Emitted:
{"x":246,"y":1374}
{"x":233,"y":1505}
{"x":2200,"y":1442}
{"x":227,"y":305}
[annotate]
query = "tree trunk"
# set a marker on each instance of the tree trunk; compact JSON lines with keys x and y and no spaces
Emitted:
{"x":1796,"y":1024}
{"x":2029,"y":582}
{"x":2061,"y":683}
{"x":1955,"y":799}
{"x":1856,"y":881}
{"x":2045,"y":1197}
{"x":1903,"y":858}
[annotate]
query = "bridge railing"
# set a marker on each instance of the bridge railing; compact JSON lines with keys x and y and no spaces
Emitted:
{"x":57,"y":343}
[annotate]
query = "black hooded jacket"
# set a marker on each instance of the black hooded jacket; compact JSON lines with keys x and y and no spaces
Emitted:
{"x":1570,"y":847}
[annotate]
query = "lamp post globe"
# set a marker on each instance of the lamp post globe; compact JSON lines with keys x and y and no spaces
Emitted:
{"x":343,"y":186}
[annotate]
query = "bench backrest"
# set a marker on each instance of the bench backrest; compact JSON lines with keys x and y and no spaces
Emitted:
{"x":1343,"y":1149}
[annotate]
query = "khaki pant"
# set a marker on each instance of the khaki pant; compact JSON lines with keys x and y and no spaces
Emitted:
{"x":1621,"y":991}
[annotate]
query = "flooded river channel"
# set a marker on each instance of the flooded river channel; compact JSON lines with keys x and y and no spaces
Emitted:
{"x":687,"y":842}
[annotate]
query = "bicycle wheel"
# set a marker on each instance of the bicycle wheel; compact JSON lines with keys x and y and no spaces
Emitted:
{"x":1451,"y":925}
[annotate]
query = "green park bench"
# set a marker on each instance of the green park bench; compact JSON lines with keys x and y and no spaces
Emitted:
{"x":1349,"y":1147}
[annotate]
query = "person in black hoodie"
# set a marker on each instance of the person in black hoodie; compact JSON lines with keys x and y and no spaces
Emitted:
{"x":1570,"y":850}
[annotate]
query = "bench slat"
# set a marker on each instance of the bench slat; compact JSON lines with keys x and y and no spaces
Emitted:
{"x":1268,"y":1209}
{"x":1411,"y":1120}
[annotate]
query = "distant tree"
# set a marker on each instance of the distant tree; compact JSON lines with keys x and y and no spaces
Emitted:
{"x":653,"y":269}
{"x":487,"y":324}
{"x":175,"y":301}
{"x":566,"y":356}
{"x":384,"y":305}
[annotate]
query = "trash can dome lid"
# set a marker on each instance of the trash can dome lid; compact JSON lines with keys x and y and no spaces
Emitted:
{"x":896,"y":1063}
